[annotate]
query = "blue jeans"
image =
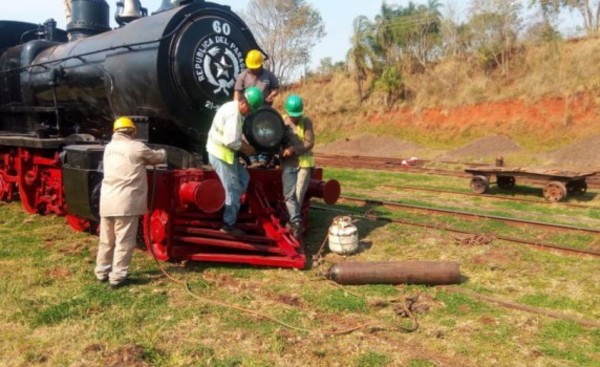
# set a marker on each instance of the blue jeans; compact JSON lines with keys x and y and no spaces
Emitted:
{"x":234,"y":179}
{"x":295,"y":183}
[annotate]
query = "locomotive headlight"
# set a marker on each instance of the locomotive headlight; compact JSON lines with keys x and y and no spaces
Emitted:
{"x":264,"y":129}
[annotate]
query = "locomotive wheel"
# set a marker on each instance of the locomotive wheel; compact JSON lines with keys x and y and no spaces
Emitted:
{"x":156,"y":233}
{"x":577,"y":187}
{"x":555,"y":191}
{"x":480,"y":184}
{"x":505,"y":182}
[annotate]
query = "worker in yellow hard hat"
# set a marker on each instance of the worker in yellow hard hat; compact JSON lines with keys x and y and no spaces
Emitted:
{"x":257,"y":76}
{"x":123,"y":199}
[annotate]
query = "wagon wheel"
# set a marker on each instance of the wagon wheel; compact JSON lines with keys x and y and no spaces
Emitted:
{"x":577,"y":187}
{"x":479,"y":184}
{"x":555,"y":191}
{"x":505,"y":182}
{"x":156,"y":233}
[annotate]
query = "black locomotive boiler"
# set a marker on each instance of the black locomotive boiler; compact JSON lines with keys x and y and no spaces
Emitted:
{"x":170,"y":71}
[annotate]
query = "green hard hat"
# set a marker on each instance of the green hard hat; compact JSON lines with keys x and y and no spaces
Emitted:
{"x":294,"y":105}
{"x":254,"y":97}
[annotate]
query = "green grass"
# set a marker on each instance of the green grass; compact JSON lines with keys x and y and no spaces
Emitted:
{"x":53,"y":312}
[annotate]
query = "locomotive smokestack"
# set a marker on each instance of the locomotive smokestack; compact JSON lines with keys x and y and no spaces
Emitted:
{"x":88,"y":18}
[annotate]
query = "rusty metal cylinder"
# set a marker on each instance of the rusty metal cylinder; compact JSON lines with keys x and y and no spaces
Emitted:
{"x":395,"y":272}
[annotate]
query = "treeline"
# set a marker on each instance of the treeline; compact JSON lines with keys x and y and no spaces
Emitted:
{"x":402,"y":41}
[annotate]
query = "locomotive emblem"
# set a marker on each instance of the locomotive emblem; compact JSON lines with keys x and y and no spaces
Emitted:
{"x":217,"y":62}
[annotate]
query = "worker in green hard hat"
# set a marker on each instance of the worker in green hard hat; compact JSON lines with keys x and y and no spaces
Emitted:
{"x":223,"y":144}
{"x":297,"y":161}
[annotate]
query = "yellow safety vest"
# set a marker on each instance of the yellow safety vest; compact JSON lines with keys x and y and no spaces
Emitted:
{"x":220,"y":151}
{"x":305,"y":160}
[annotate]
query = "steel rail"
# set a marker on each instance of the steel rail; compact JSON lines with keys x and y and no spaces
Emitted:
{"x":468,"y":214}
{"x":545,"y":202}
{"x":536,"y":244}
{"x":396,"y":164}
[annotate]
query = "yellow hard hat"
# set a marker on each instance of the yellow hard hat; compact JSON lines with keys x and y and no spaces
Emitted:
{"x":123,"y":123}
{"x":254,"y":59}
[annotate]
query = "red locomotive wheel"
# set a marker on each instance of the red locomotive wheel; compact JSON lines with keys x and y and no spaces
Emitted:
{"x":155,"y":234}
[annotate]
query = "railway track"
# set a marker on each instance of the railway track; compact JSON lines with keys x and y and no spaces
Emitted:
{"x":532,"y":243}
{"x":463,"y":214}
{"x":494,"y":197}
{"x":415,"y":166}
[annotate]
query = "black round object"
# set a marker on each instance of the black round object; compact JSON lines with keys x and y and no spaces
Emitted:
{"x":264,"y":129}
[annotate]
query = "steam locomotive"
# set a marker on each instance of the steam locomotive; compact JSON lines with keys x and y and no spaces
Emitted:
{"x":60,"y":92}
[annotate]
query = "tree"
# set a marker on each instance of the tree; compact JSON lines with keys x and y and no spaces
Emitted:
{"x":391,"y":83}
{"x":361,"y":56}
{"x":287,"y":30}
{"x":589,"y":10}
{"x":328,"y":67}
{"x":409,"y":33}
{"x":495,"y":26}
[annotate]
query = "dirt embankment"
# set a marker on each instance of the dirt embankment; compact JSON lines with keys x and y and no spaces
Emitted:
{"x":572,"y":125}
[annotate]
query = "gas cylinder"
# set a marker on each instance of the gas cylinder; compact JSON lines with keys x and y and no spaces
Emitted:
{"x":343,"y":236}
{"x":396,"y":272}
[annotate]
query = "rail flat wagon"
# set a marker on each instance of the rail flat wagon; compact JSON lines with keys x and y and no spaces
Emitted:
{"x":557,"y":183}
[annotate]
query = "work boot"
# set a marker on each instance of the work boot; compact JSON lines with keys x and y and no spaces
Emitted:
{"x":231,"y":230}
{"x":297,"y":229}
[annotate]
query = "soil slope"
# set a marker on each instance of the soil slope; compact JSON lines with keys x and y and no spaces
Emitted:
{"x":571,"y":125}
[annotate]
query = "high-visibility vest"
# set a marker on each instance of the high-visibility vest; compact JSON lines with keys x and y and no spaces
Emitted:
{"x":305,"y":160}
{"x":218,"y":150}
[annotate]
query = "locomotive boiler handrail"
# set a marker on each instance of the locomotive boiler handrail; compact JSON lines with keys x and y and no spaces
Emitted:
{"x":112,"y":48}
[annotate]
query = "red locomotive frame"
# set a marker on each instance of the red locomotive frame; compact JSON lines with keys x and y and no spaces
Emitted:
{"x":186,"y":209}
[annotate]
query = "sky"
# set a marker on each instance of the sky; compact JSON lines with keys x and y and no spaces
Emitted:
{"x":337,"y":15}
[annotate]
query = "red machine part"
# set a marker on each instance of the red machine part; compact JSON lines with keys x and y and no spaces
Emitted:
{"x":207,"y":195}
{"x":188,"y":228}
{"x":187,"y":210}
{"x":37,"y":176}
